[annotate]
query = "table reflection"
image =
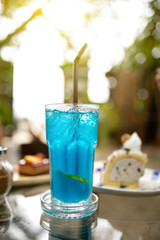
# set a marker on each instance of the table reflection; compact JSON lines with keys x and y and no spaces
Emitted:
{"x":117,"y":218}
{"x":80,"y":228}
{"x":5,"y":217}
{"x":135,"y":217}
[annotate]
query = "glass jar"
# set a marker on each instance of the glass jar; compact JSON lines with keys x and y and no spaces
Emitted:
{"x":6,"y":174}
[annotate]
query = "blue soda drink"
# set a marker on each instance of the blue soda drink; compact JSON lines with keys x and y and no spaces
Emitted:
{"x":71,"y":132}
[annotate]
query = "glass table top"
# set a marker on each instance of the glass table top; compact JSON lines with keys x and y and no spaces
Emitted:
{"x":117,"y":218}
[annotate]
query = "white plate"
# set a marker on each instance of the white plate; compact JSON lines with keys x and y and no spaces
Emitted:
{"x":149,"y":184}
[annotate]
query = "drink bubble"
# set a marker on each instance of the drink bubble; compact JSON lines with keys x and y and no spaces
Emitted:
{"x":72,"y":110}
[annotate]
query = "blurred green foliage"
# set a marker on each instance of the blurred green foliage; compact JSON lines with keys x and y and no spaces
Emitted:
{"x":6,"y":85}
{"x":9,"y":6}
{"x":144,"y":53}
{"x":6,"y":68}
{"x":143,"y":57}
{"x":108,"y":122}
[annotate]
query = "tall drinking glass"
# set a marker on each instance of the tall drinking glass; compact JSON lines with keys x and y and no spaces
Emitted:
{"x":71,"y":132}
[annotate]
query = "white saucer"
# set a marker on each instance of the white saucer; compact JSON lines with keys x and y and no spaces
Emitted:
{"x":149,"y":184}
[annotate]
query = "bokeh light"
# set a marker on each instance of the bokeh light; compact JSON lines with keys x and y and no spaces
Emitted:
{"x":107,"y":28}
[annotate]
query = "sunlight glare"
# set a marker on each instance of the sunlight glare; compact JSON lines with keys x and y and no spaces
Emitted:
{"x":98,"y":87}
{"x":38,"y":80}
{"x":69,"y":17}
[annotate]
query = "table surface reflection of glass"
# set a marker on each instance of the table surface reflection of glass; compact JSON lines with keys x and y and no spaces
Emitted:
{"x":118,"y":217}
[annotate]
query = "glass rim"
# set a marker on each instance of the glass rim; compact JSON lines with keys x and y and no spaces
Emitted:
{"x":86,"y":106}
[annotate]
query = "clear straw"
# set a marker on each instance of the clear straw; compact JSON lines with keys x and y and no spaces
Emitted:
{"x":75,"y":73}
